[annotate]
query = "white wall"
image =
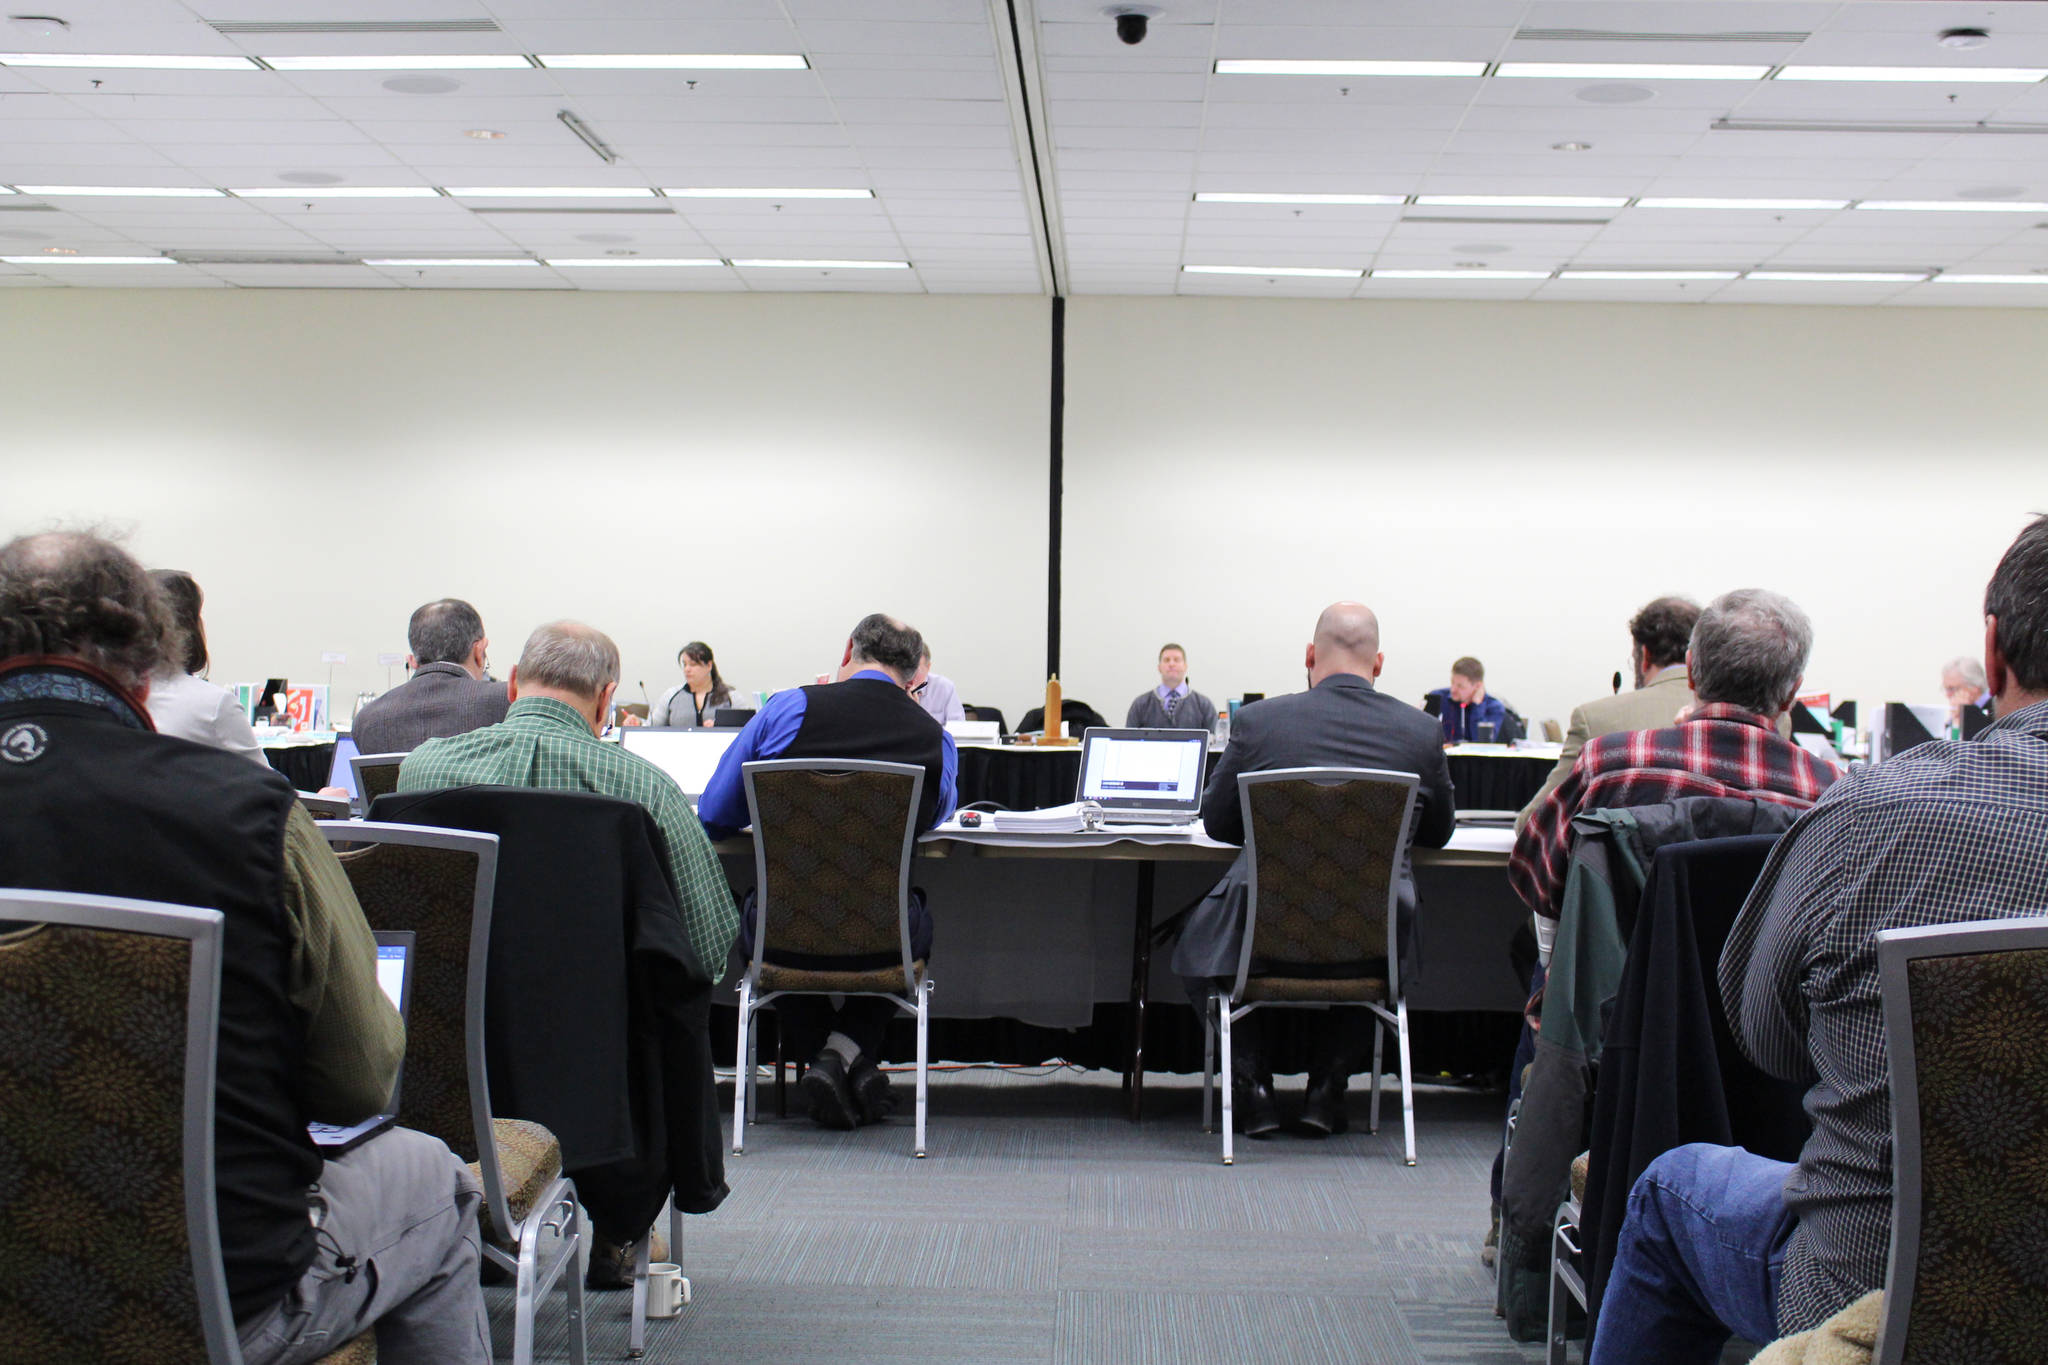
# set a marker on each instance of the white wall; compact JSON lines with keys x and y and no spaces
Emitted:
{"x":756,"y":471}
{"x":1514,"y":480}
{"x":1505,"y":480}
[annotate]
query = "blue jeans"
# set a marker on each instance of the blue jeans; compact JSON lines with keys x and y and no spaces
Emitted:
{"x":1699,"y":1259}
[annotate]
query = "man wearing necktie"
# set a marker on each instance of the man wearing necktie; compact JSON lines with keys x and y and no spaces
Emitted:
{"x":1172,"y":704}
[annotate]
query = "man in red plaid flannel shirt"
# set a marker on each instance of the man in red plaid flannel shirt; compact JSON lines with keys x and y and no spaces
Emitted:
{"x":1747,"y":659}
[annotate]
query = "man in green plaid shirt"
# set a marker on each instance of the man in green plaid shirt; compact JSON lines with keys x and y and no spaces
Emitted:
{"x":561,"y":691}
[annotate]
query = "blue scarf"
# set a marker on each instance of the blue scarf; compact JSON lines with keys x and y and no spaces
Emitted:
{"x":54,"y":682}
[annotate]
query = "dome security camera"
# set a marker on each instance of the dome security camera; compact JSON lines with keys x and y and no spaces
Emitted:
{"x":1131,"y":26}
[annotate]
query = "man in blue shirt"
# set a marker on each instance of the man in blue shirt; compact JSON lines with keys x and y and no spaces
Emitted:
{"x":1464,"y":707}
{"x":866,"y":713}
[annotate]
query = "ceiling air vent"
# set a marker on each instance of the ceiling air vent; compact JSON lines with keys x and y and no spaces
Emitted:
{"x":246,"y":27}
{"x":1605,"y":35}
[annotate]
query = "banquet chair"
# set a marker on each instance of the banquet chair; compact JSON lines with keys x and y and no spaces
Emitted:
{"x":107,"y":1094}
{"x":994,"y":713}
{"x":1323,"y":852}
{"x":324,"y":807}
{"x":833,"y":840}
{"x":376,"y":774}
{"x":438,"y":884}
{"x":1966,"y":1026}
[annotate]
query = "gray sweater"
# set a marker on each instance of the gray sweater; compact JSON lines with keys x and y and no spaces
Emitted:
{"x":1192,"y":712}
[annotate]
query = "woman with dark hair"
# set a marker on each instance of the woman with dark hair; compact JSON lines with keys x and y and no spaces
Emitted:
{"x":181,"y":702}
{"x":693,"y":702}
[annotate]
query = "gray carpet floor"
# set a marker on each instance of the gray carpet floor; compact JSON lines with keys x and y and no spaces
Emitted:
{"x":1046,"y":1227}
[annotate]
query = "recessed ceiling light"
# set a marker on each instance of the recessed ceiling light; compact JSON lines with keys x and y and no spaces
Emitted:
{"x":598,"y":262}
{"x":744,"y":192}
{"x":1571,"y":146}
{"x":5,"y":190}
{"x":1630,"y":71}
{"x":340,"y":192}
{"x":1648,"y":274}
{"x":459,"y":61}
{"x":1952,"y":206}
{"x":1991,"y":279}
{"x":1220,"y":197}
{"x":1522,"y":201}
{"x":452,"y":260}
{"x":120,"y":191}
{"x":1460,"y":274}
{"x":1837,"y":276}
{"x":1963,"y":39}
{"x":483,"y":134}
{"x":1762,"y":205}
{"x":1259,"y":66}
{"x":759,"y":264}
{"x":674,"y":61}
{"x":58,"y":258}
{"x":1937,"y":75}
{"x":550,"y":192}
{"x":1303,"y":271}
{"x":125,"y":61}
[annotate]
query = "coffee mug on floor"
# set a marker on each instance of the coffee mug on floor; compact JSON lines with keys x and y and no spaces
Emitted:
{"x":664,"y":1289}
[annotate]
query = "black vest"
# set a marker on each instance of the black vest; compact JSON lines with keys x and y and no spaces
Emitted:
{"x":113,"y":811}
{"x":869,"y":718}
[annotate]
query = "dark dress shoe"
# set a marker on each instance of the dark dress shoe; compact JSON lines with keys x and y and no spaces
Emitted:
{"x":1323,"y":1111}
{"x":872,"y":1093}
{"x":832,"y":1102}
{"x":1253,"y":1107}
{"x":611,"y":1265}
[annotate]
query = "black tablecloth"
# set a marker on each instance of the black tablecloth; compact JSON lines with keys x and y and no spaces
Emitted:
{"x":1504,"y":782}
{"x":1019,"y":779}
{"x":306,"y":765}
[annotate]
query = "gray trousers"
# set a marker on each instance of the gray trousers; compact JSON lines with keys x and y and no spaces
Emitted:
{"x":403,"y":1211}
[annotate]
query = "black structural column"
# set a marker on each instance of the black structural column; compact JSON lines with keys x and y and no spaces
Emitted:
{"x":1056,"y":474}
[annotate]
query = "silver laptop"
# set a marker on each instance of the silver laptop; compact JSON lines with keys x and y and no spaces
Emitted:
{"x":1144,"y":777}
{"x":690,"y":757}
{"x":394,"y":976}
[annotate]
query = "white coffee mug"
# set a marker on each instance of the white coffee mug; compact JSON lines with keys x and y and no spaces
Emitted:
{"x":664,"y":1289}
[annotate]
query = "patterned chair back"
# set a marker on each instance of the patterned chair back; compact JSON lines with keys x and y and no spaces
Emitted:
{"x":109,"y":1249}
{"x":376,"y":775}
{"x":1323,"y":846}
{"x":1966,"y":1025}
{"x":832,"y":845}
{"x":437,"y":883}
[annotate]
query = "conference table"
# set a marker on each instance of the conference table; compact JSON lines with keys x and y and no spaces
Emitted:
{"x":1043,"y":928}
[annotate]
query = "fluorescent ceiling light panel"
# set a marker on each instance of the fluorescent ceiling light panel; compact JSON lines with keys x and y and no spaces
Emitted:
{"x":744,"y":192}
{"x":340,"y":192}
{"x":456,"y":61}
{"x":1938,"y":75}
{"x":1763,"y":205}
{"x":1991,"y":279}
{"x":641,"y":261}
{"x":88,"y":260}
{"x":1305,"y":272}
{"x":1522,"y":201}
{"x":1952,"y":206}
{"x":125,"y":62}
{"x":1259,"y":66}
{"x":675,"y":61}
{"x":759,"y":264}
{"x":1220,"y":197}
{"x":1461,"y":274}
{"x":1836,"y":276}
{"x":1648,"y":274}
{"x":461,"y":261}
{"x":550,"y":192}
{"x":121,"y":191}
{"x":1630,"y":71}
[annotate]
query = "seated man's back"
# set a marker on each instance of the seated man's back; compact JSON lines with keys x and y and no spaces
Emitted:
{"x":449,"y":692}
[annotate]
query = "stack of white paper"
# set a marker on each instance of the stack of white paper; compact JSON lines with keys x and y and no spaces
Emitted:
{"x":1067,"y":819}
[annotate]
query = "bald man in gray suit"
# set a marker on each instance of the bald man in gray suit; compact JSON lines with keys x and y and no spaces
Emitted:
{"x":1342,"y":721}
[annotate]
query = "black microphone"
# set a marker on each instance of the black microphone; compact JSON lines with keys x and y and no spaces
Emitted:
{"x":1617,"y":680}
{"x":650,"y":705}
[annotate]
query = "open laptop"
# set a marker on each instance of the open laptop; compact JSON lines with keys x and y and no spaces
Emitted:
{"x":688,"y":756}
{"x":343,"y":773}
{"x":394,"y":976}
{"x":1144,"y":777}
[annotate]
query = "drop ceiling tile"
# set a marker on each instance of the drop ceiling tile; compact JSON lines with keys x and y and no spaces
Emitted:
{"x":859,"y":113}
{"x":962,"y":39}
{"x":929,"y":85}
{"x":98,"y":163}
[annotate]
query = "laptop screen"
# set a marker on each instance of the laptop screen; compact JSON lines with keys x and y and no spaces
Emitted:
{"x":391,"y":960}
{"x":343,"y":773}
{"x":1144,"y":769}
{"x":688,"y":756}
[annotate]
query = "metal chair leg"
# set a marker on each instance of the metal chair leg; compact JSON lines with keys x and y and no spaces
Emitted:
{"x":1229,"y":1116}
{"x":1379,"y":1042}
{"x":924,"y":1010}
{"x":636,"y":1340}
{"x":781,"y":1074}
{"x":739,"y":1070}
{"x":1407,"y":1080}
{"x":1208,"y":1067}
